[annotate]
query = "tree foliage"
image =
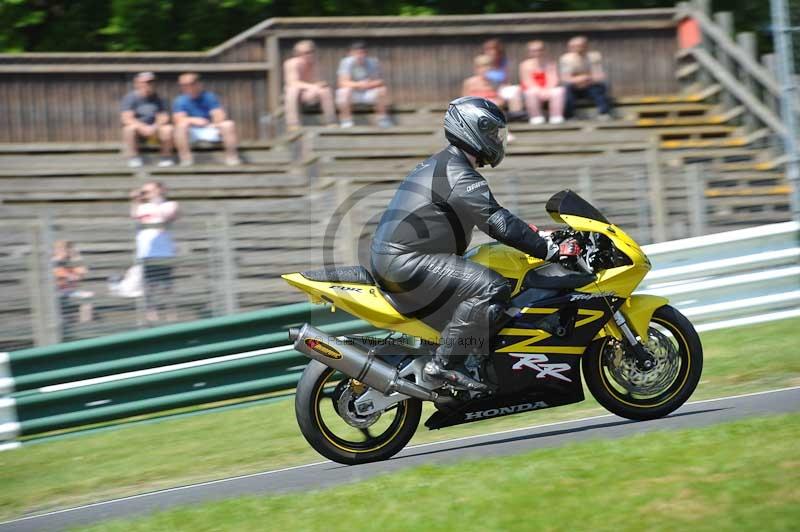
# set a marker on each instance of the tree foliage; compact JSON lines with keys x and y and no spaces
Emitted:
{"x":139,"y":25}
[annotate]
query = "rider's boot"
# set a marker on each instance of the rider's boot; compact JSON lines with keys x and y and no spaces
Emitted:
{"x":438,"y":368}
{"x":473,"y":319}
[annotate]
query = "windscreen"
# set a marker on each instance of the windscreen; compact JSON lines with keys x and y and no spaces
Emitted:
{"x":568,"y":202}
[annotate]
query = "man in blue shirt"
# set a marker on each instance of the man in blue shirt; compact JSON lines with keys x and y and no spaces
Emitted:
{"x":199,"y":116}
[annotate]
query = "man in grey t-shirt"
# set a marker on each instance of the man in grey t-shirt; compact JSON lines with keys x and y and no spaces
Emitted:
{"x":360,"y":82}
{"x":144,"y":116}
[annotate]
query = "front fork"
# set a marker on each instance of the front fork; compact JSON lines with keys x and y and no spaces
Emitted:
{"x":644,"y":360}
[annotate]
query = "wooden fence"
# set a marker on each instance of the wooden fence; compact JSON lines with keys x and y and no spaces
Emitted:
{"x":57,"y":97}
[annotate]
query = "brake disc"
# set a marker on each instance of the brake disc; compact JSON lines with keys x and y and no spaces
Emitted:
{"x":646,"y":383}
{"x":345,"y":398}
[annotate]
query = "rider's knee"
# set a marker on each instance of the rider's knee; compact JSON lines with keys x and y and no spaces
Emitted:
{"x":500,"y":291}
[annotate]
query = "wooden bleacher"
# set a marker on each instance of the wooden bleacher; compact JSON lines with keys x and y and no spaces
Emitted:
{"x":272,"y":203}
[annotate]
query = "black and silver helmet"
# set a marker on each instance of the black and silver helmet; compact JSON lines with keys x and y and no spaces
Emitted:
{"x":477,"y":126}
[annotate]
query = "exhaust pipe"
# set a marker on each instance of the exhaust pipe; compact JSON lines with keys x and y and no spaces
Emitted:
{"x":354,"y":362}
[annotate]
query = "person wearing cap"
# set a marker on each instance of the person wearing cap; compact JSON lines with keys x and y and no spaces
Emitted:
{"x":144,"y":116}
{"x":360,"y":82}
{"x":199,"y":117}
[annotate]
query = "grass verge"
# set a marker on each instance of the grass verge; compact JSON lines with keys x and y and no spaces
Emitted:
{"x":737,"y":476}
{"x":146,"y":457}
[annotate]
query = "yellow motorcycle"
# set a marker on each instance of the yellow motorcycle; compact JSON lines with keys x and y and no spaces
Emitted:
{"x":360,"y":398}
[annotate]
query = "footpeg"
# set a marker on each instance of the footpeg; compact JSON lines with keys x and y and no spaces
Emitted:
{"x":454,"y":378}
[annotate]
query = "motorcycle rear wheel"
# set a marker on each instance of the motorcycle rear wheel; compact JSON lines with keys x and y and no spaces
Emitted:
{"x":316,"y":406}
{"x":613,"y":379}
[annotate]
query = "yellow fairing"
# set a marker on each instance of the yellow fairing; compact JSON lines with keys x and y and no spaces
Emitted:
{"x":620,"y":281}
{"x":364,"y":301}
{"x":505,"y":260}
{"x":638,"y":310}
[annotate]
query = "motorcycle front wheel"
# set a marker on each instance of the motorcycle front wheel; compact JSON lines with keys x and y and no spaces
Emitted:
{"x":612,"y":376}
{"x":321,"y":398}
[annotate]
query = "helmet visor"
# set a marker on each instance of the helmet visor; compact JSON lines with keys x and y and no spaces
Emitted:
{"x":499,"y":137}
{"x":502,"y":133}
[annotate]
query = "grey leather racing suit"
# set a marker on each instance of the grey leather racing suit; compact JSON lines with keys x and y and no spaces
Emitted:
{"x":417,"y":249}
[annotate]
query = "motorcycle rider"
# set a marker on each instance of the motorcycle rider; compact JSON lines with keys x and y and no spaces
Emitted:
{"x":417,"y":249}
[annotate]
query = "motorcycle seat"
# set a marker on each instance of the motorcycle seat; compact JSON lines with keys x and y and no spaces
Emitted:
{"x":343,"y":274}
{"x":557,"y":277}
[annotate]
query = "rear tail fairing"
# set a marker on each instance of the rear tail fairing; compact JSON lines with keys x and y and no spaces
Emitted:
{"x":364,"y":301}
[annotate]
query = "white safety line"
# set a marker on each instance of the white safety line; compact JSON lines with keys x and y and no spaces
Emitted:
{"x":313,"y":464}
{"x":498,"y":433}
{"x":167,"y":490}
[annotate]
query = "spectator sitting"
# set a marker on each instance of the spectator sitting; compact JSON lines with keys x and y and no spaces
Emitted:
{"x":538,"y":76}
{"x":497,"y":74}
{"x":68,"y":271}
{"x":200,"y":117}
{"x":302,"y":84}
{"x":479,"y":85}
{"x":144,"y":116}
{"x":583,"y":75}
{"x":155,"y":249}
{"x":360,"y":83}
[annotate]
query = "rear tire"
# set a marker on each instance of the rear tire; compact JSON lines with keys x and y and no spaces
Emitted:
{"x":599,"y":358}
{"x":308,"y":399}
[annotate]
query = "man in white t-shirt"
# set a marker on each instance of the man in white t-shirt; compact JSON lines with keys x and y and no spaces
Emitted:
{"x":155,"y":248}
{"x":360,"y":82}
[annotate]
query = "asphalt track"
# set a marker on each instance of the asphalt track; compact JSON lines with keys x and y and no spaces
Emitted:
{"x":321,"y":474}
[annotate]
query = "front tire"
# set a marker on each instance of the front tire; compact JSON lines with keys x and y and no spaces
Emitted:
{"x":316,"y":403}
{"x":622,"y":389}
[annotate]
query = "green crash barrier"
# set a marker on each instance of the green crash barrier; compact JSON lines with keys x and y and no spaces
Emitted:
{"x":167,"y":338}
{"x":159,"y":404}
{"x":63,"y":399}
{"x":163,"y":358}
{"x":137,"y":373}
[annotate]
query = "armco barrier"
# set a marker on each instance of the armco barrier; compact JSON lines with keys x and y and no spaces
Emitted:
{"x":717,"y":280}
{"x":123,"y":375}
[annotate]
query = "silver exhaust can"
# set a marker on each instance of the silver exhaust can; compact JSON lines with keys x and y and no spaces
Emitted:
{"x":355,"y":362}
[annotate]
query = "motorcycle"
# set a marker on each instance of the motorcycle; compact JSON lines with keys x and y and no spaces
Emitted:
{"x":360,"y":398}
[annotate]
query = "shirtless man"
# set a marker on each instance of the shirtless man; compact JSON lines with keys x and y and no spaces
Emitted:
{"x":302,"y":84}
